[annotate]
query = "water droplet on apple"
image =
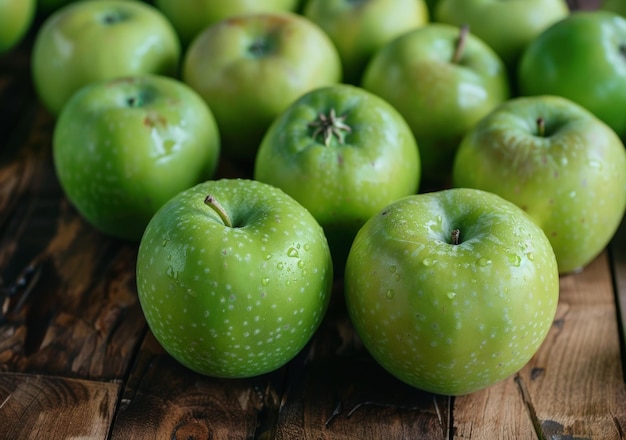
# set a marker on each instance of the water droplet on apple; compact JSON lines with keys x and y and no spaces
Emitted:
{"x":390,"y":294}
{"x":292,"y":252}
{"x":280,"y":266}
{"x":301,"y":264}
{"x":265,"y":281}
{"x":484,"y":262}
{"x":594,"y":163}
{"x":170,"y":272}
{"x":530,"y":256}
{"x":165,"y":242}
{"x":514,"y":260}
{"x":392,"y":269}
{"x":428,"y":262}
{"x":451,"y":295}
{"x":307,"y":247}
{"x":268,"y":257}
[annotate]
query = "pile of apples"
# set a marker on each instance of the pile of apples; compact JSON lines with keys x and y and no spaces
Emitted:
{"x":448,"y":160}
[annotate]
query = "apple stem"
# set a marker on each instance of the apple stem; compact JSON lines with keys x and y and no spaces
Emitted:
{"x":541,"y":126}
{"x":460,"y":44}
{"x":455,"y":235}
{"x":329,"y":125}
{"x":219,"y":209}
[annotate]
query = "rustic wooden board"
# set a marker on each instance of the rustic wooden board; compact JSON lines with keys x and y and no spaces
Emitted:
{"x":77,"y":361}
{"x":46,"y":407}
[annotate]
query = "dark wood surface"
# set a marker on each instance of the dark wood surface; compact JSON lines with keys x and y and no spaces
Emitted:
{"x":77,"y":360}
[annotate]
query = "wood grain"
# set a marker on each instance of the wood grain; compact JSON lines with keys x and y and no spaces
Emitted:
{"x":45,"y":407}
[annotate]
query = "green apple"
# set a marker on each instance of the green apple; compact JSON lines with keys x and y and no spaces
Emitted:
{"x":16,"y":18}
{"x":581,"y":58}
{"x":123,"y":147}
{"x":250,"y":68}
{"x":452,"y":291}
{"x":343,"y":153}
{"x":618,"y":6}
{"x":557,"y":161}
{"x":443,"y":80}
{"x":87,"y":41}
{"x":190,"y":17}
{"x":506,"y":26}
{"x":234,"y":277}
{"x":360,"y":28}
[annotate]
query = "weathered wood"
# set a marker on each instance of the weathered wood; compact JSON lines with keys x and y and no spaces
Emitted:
{"x":46,"y":407}
{"x":574,"y":386}
{"x":163,"y":399}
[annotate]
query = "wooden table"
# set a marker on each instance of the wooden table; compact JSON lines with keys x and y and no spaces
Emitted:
{"x":77,"y":360}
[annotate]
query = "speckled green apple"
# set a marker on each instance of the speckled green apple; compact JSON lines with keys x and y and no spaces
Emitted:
{"x":16,"y":18}
{"x":250,"y":68}
{"x":558,"y":162}
{"x":83,"y":42}
{"x":343,"y":153}
{"x":452,"y":291}
{"x":442,"y":80}
{"x":582,"y":58}
{"x":360,"y":28}
{"x":123,"y":147}
{"x":506,"y":26}
{"x":234,"y":277}
{"x":190,"y":17}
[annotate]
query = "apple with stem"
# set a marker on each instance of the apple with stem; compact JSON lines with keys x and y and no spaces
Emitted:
{"x":234,"y":277}
{"x":557,"y":161}
{"x":442,"y":79}
{"x":452,"y":291}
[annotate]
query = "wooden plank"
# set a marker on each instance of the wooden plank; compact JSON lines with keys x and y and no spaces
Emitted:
{"x":68,"y":303}
{"x":163,"y":399}
{"x":44,"y":407}
{"x":574,"y":386}
{"x":335,"y":390}
{"x":617,"y":250}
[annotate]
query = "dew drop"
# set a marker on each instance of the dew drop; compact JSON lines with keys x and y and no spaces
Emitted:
{"x":428,"y":262}
{"x":531,"y":256}
{"x":301,"y":264}
{"x":170,"y":272}
{"x":392,"y":269}
{"x":514,"y":260}
{"x":451,"y":295}
{"x":265,"y":281}
{"x":484,"y":262}
{"x":292,"y":252}
{"x":390,"y":294}
{"x":165,"y":242}
{"x":307,"y":247}
{"x":594,"y":164}
{"x":268,"y":257}
{"x":280,"y":265}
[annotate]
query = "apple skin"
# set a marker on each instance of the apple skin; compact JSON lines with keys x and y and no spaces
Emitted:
{"x":84,"y":42}
{"x":506,"y":26}
{"x":124,"y":147}
{"x":16,"y":18}
{"x":360,"y":28}
{"x":234,"y":301}
{"x":581,"y":58}
{"x":190,"y":17}
{"x":571,"y":180}
{"x":445,"y":318}
{"x":347,"y":180}
{"x":250,"y":68}
{"x":440,"y":99}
